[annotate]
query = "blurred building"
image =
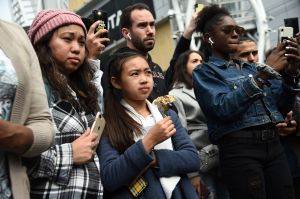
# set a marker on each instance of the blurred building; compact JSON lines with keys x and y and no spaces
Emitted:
{"x":24,"y":11}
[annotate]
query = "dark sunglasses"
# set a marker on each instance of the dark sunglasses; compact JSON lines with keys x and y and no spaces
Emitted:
{"x":229,"y":29}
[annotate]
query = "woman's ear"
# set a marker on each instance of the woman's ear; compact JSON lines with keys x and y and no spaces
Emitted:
{"x":115,"y":82}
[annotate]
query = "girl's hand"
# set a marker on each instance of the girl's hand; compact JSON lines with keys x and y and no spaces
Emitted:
{"x":83,"y":147}
{"x":161,"y":131}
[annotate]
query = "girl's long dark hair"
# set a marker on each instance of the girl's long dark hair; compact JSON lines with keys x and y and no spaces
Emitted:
{"x":180,"y":71}
{"x":80,"y":81}
{"x":120,"y":127}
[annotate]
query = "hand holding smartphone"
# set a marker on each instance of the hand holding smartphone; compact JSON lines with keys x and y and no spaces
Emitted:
{"x":98,"y":126}
{"x":99,"y":15}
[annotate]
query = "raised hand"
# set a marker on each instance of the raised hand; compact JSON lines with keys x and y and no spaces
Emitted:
{"x":94,"y":43}
{"x":277,"y":59}
{"x":293,"y":55}
{"x":298,"y":37}
{"x":191,"y":27}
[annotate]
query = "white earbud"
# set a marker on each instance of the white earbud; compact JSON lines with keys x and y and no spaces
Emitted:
{"x":210,"y":41}
{"x":129,"y":37}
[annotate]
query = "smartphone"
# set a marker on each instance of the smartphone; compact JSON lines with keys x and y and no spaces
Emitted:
{"x":199,"y":7}
{"x":292,"y":22}
{"x":284,"y":33}
{"x":99,"y":15}
{"x":98,"y":126}
{"x":102,"y":17}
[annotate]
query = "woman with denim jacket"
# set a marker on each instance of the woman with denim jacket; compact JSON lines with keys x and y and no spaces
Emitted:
{"x":242,"y":103}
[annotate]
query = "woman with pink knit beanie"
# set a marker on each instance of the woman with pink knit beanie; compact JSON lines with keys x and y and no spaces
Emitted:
{"x":70,"y":168}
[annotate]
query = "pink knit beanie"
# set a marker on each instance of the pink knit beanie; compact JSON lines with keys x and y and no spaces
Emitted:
{"x":50,"y":19}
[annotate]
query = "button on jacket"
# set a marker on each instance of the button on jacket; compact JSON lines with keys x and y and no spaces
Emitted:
{"x":231,"y":100}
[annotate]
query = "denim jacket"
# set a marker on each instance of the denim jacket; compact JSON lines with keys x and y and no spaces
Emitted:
{"x":231,"y":100}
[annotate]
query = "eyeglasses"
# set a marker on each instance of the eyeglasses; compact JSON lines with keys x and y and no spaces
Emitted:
{"x":229,"y":29}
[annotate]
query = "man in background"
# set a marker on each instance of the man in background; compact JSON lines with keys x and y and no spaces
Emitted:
{"x":247,"y":50}
{"x":137,"y":26}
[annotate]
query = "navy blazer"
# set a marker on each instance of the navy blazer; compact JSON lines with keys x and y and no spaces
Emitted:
{"x":118,"y":170}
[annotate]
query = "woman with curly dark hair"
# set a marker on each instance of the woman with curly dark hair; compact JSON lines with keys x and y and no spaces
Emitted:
{"x":70,"y":168}
{"x":242,"y":103}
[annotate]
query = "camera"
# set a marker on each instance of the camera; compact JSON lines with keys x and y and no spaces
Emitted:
{"x":97,"y":15}
{"x":102,"y":17}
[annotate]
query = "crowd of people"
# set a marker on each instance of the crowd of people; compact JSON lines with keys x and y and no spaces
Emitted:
{"x":231,"y":131}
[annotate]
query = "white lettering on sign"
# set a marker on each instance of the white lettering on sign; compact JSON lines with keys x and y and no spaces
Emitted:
{"x":114,"y":20}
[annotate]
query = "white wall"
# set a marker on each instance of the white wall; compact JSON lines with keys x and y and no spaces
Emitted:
{"x":5,"y":13}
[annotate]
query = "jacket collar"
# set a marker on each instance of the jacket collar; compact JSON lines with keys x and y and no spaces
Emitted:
{"x":184,"y":89}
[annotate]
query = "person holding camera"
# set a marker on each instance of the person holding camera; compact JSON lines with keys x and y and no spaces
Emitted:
{"x":275,"y":57}
{"x":243,"y":103}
